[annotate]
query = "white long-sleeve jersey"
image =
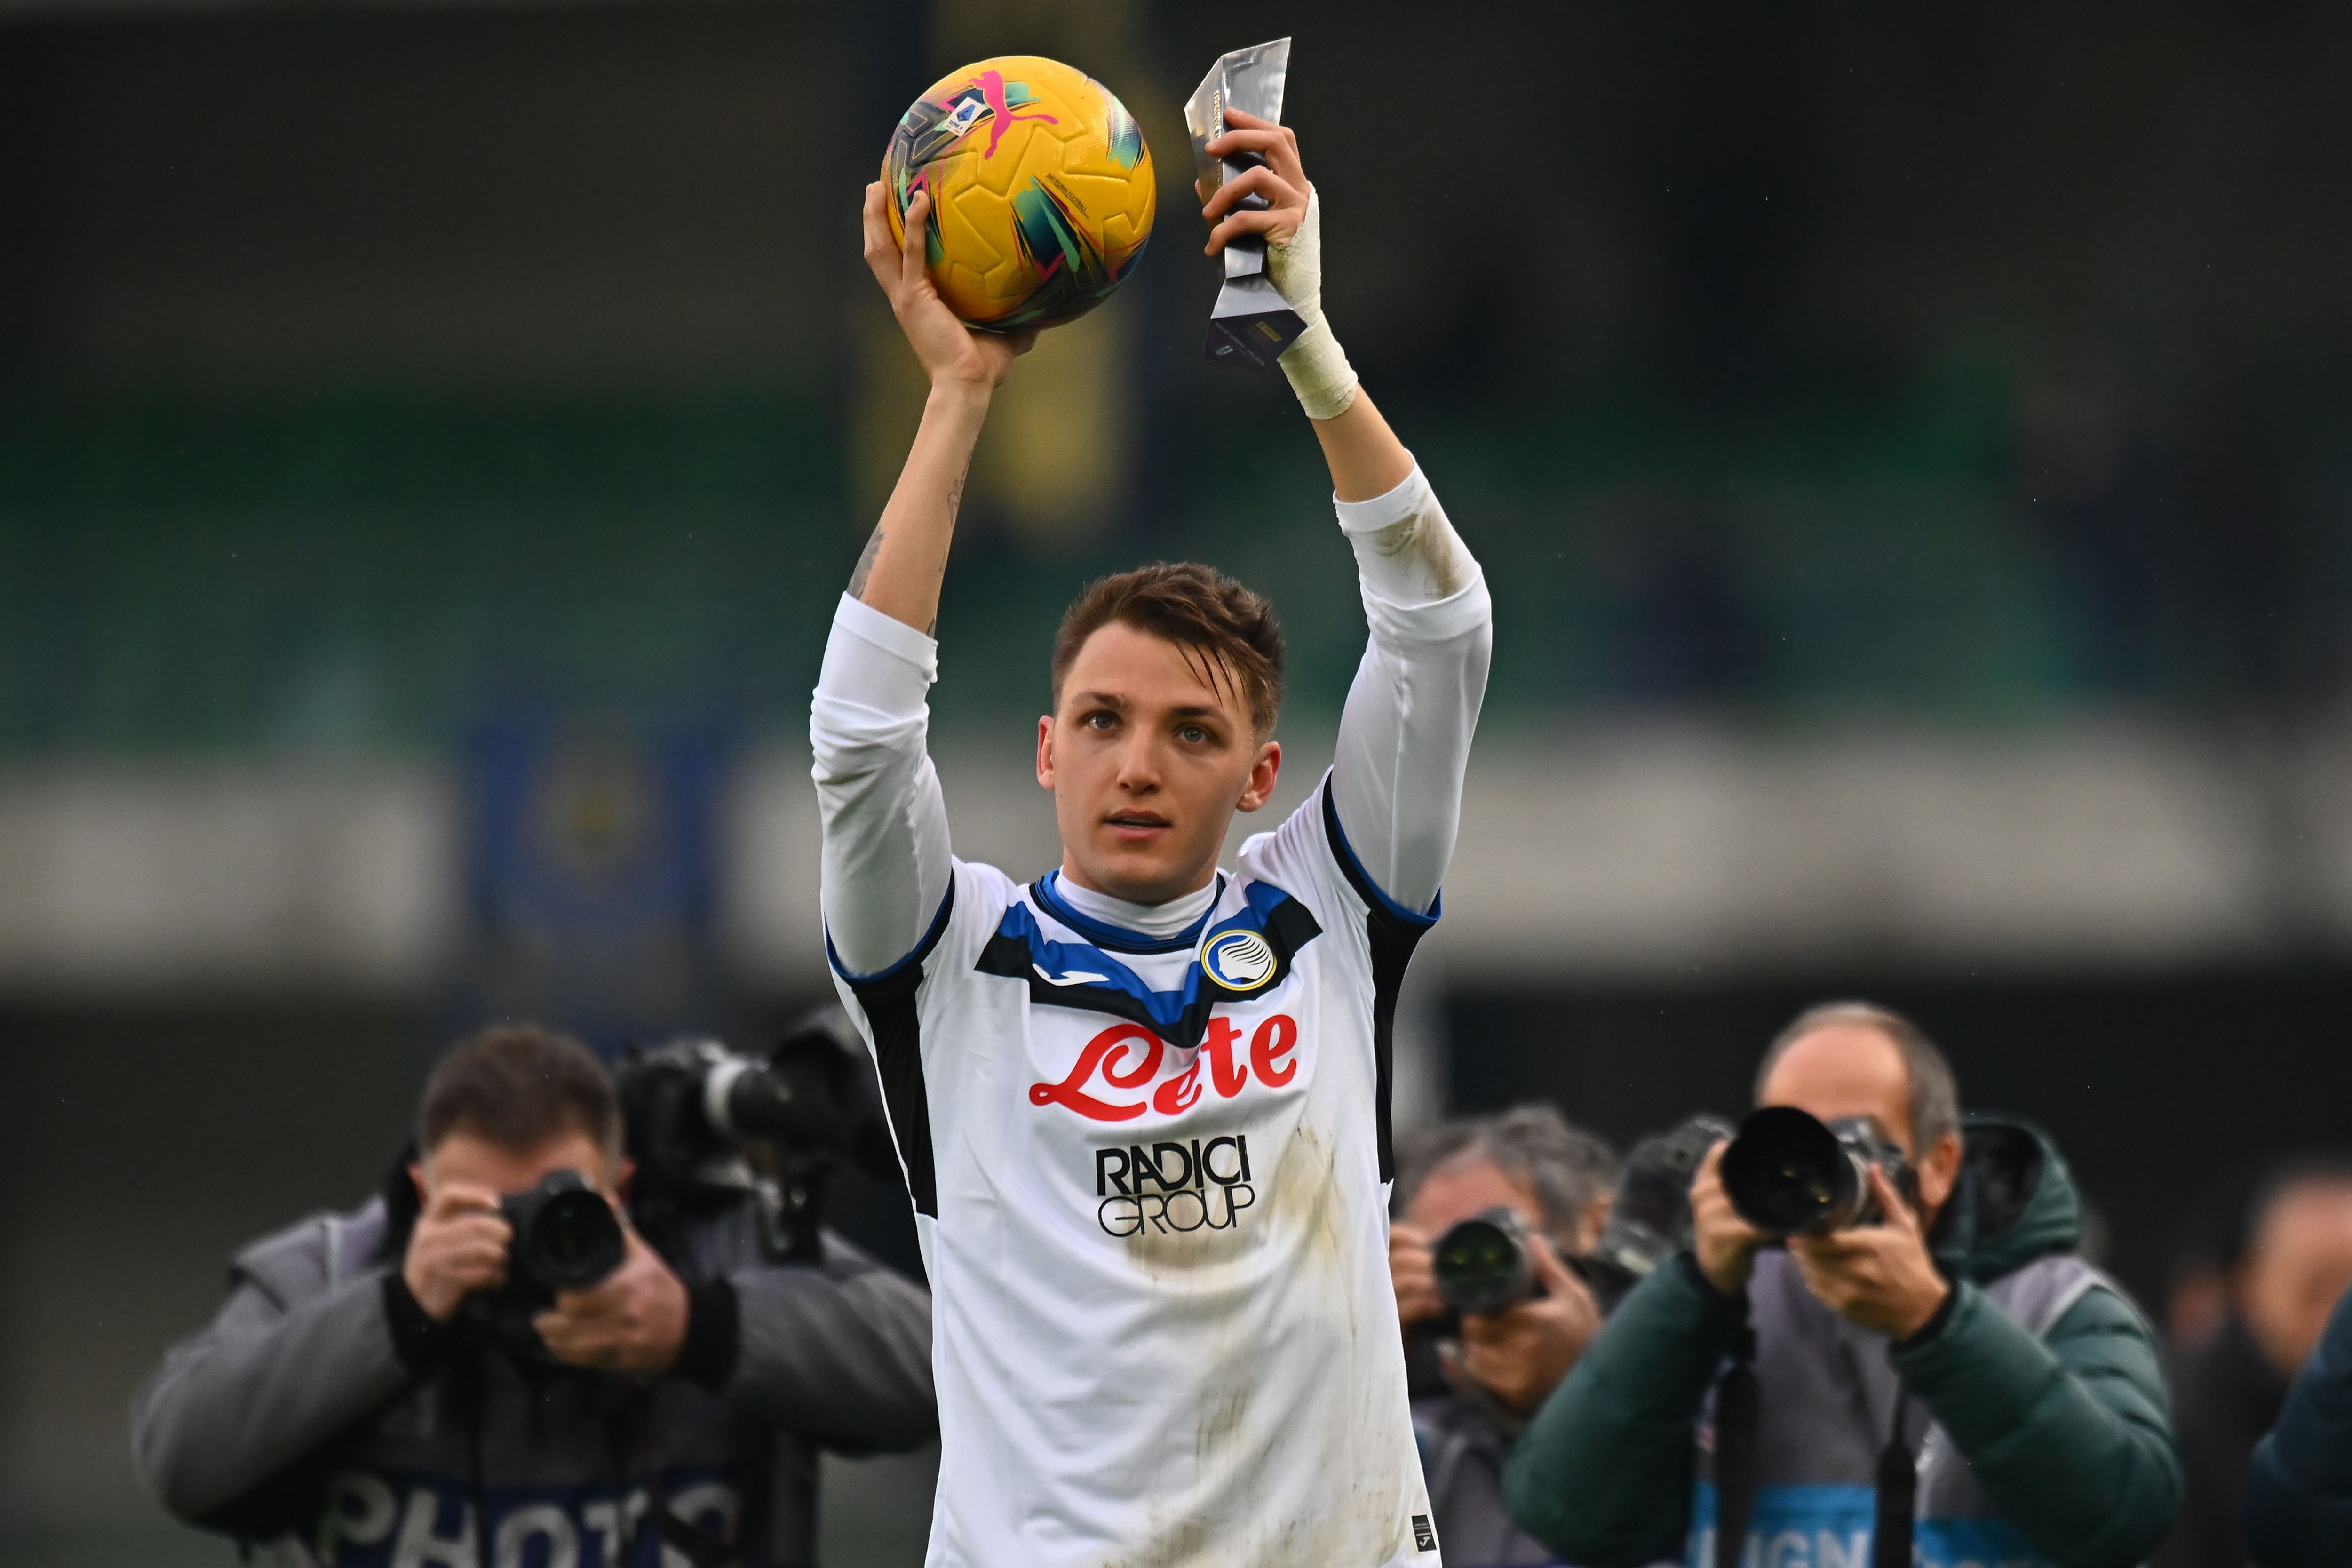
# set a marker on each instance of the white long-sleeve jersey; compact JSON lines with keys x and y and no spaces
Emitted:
{"x":1149,"y":1149}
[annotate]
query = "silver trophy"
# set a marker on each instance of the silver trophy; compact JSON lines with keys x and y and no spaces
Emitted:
{"x":1249,"y":324}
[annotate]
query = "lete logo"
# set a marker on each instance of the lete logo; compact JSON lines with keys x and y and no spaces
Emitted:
{"x":1129,"y":1055}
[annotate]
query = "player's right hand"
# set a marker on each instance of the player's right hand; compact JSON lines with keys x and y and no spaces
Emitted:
{"x":950,"y":353}
{"x":1724,"y":1244}
{"x":1413,"y":1269}
{"x":460,"y":1245}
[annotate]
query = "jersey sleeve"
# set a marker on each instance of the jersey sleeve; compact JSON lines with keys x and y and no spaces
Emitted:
{"x":1309,"y":857}
{"x":886,"y":863}
{"x":1404,"y":735}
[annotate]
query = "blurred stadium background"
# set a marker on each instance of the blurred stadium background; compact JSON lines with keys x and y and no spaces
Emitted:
{"x":1912,"y":450}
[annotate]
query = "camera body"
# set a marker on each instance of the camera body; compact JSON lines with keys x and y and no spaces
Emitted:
{"x":1483,"y":1264}
{"x":1791,"y":1173}
{"x":709,"y":1128}
{"x":1650,"y":1220}
{"x":692,"y":1106}
{"x":566,"y":1237}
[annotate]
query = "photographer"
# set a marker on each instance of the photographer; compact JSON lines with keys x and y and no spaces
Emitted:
{"x":1945,"y":1370}
{"x":1476,"y":1377}
{"x":377,"y":1390}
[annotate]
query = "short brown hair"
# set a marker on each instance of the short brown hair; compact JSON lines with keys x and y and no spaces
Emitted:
{"x":1230,"y":631}
{"x":519,"y":1087}
{"x":1935,"y":1097}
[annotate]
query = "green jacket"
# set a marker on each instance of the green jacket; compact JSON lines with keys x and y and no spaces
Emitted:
{"x":2068,"y":1435}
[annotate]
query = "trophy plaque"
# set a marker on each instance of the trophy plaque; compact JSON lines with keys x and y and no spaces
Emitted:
{"x":1249,"y":323}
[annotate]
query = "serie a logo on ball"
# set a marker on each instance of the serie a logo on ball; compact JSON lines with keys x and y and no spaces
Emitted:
{"x":1237,"y":959}
{"x":1042,"y":190}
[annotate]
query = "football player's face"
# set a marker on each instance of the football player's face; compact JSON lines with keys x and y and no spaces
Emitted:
{"x":1148,"y":757}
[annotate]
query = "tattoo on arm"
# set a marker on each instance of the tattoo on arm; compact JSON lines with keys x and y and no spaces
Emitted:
{"x":864,"y":567}
{"x":955,"y":505}
{"x":864,"y":571}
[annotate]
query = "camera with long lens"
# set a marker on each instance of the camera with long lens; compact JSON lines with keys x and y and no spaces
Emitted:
{"x":566,"y":1237}
{"x":1649,"y":1219}
{"x":709,"y":1127}
{"x":1483,"y":1264}
{"x":692,"y":1106}
{"x":1789,"y":1174}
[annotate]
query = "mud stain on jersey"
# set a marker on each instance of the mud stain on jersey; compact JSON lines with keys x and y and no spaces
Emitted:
{"x":1182,"y":1545}
{"x":1185,"y":1234}
{"x":1430,"y":540}
{"x":1220,"y":1423}
{"x":1221,"y":1517}
{"x":1217,"y":1510}
{"x":1169,"y":1251}
{"x":1307,"y":1201}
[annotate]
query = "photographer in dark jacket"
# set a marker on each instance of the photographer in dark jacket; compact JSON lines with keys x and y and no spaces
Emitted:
{"x":1476,"y":1378}
{"x":1952,"y":1369}
{"x":342,"y":1403}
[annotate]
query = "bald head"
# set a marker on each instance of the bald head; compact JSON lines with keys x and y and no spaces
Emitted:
{"x":1851,"y":1058}
{"x":1845,"y":1069}
{"x":1856,"y":1048}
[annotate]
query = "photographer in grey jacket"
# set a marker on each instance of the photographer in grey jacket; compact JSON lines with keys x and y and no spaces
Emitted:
{"x":1477,"y":1376}
{"x":356,"y":1404}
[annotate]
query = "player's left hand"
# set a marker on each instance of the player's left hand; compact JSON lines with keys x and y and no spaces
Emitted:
{"x":1878,"y":1277}
{"x":633,"y":1322}
{"x":950,"y":353}
{"x":1281,"y":180}
{"x":1520,"y":1353}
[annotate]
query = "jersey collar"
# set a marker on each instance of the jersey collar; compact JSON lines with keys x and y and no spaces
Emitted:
{"x":1119,"y":938}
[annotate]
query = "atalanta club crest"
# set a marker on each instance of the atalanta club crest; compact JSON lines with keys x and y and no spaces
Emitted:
{"x":1237,"y":959}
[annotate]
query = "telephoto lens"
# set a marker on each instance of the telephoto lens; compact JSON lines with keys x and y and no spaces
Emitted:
{"x":566,"y":1237}
{"x":747,"y":1099}
{"x":1649,"y":1219}
{"x":1482,"y":1263}
{"x":1789,"y":1174}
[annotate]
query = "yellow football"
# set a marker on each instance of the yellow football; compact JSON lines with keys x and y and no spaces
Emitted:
{"x":1041,"y":194}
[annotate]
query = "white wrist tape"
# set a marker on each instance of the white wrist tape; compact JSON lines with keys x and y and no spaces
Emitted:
{"x":1317,"y":367}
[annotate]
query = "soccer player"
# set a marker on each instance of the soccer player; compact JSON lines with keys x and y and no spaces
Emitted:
{"x":1142,"y":1102}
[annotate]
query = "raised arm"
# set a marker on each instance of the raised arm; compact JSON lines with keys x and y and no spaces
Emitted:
{"x":900,"y":572}
{"x":1404,"y":734}
{"x":886,"y":858}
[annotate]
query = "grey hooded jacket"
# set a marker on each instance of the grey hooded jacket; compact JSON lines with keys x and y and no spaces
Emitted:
{"x":322,"y":1411}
